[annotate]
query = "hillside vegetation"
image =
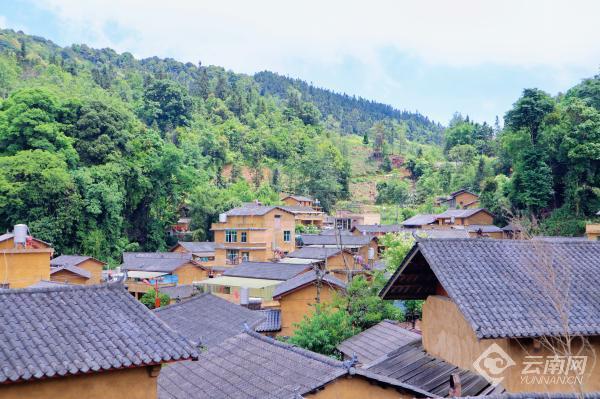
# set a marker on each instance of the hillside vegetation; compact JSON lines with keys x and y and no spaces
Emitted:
{"x":101,"y":152}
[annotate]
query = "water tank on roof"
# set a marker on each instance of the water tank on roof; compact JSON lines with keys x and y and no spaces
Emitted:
{"x":223,"y":218}
{"x":371,"y":253}
{"x":20,"y":232}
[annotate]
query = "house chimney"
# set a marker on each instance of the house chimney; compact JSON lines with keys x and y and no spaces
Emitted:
{"x":455,"y":386}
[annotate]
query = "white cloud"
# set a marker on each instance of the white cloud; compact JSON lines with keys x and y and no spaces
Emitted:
{"x":272,"y":34}
{"x":3,"y":21}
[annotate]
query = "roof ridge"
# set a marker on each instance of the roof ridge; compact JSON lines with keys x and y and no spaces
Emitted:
{"x":296,"y":349}
{"x":113,"y":285}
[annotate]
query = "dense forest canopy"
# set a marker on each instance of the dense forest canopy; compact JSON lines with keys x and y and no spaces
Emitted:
{"x":101,"y":152}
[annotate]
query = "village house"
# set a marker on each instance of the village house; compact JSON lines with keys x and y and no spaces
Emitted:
{"x":342,"y":263}
{"x":346,"y":219}
{"x":178,"y":293}
{"x":465,"y":217}
{"x":202,"y":251}
{"x":253,"y":233}
{"x":592,"y":230}
{"x":257,"y":279}
{"x":250,"y":366}
{"x":25,"y":260}
{"x":376,"y":229}
{"x":461,"y":199}
{"x":508,"y":300}
{"x":365,"y":246}
{"x":389,"y":350}
{"x":164,"y":268}
{"x":92,"y":342}
{"x":301,"y":200}
{"x":482,"y":231}
{"x":298,"y":295}
{"x":76,"y":269}
{"x":207,"y":320}
{"x":306,"y":215}
{"x":424,"y":221}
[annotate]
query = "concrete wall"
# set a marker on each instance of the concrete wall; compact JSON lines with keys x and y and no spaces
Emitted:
{"x":357,"y":387}
{"x":135,"y":383}
{"x":21,"y":268}
{"x":446,"y":334}
{"x":295,"y":305}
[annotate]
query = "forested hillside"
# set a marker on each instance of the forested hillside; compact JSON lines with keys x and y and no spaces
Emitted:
{"x":354,"y":114}
{"x":101,"y":152}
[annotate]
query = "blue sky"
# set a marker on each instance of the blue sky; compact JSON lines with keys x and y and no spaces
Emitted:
{"x":434,"y":56}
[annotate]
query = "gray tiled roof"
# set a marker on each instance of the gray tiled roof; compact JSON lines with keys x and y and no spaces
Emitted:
{"x":305,"y":279}
{"x":166,"y":262}
{"x":207,"y":319}
{"x":197,"y":246}
{"x":71,"y":268}
{"x":540,"y":395}
{"x":485,"y":228}
{"x":558,"y":238}
{"x":328,"y":232}
{"x":314,"y":253}
{"x":252,"y":210}
{"x":411,"y":365}
{"x":267,"y":270}
{"x":300,"y":209}
{"x":252,"y":366}
{"x":442,"y":233}
{"x":272,"y":321}
{"x":49,"y":284}
{"x":379,"y":228}
{"x":68,"y":260}
{"x":249,"y":366}
{"x":419,"y":220}
{"x":462,"y":190}
{"x":515,"y":288}
{"x":377,"y":341}
{"x":52,"y":332}
{"x":460,"y":213}
{"x":299,"y":197}
{"x":318,"y":239}
{"x":179,"y":292}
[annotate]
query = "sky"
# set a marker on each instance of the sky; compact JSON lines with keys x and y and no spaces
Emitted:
{"x":436,"y":57}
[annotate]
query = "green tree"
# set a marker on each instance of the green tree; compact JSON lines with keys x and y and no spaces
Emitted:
{"x":532,"y":181}
{"x":394,"y":191}
{"x":149,"y":299}
{"x":167,"y":104}
{"x":529,"y":111}
{"x":365,"y":139}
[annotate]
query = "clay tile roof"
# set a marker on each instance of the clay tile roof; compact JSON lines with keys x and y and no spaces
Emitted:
{"x":71,"y":268}
{"x":299,"y":197}
{"x":68,"y":260}
{"x":461,"y":213}
{"x":377,"y":341}
{"x":252,"y":210}
{"x":267,"y":270}
{"x":419,"y":220}
{"x":329,"y":239}
{"x":166,"y":262}
{"x":412,"y":365}
{"x":198,"y":246}
{"x":306,"y":279}
{"x":509,"y":288}
{"x":379,"y":228}
{"x":272,"y":321}
{"x":314,"y":253}
{"x":58,"y":331}
{"x":207,"y":319}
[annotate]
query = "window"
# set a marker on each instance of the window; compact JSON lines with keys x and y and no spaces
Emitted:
{"x":277,"y":221}
{"x":244,"y":237}
{"x":287,"y":236}
{"x":230,"y":236}
{"x":245,"y":256}
{"x":232,"y":256}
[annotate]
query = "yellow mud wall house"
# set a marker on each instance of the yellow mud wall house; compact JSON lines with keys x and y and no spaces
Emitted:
{"x":253,"y":233}
{"x":202,"y":252}
{"x":76,"y":269}
{"x":465,"y":217}
{"x":461,"y":199}
{"x":292,"y":372}
{"x":79,"y":364}
{"x":500,"y":307}
{"x":298,"y":200}
{"x":24,"y":262}
{"x":297,"y":297}
{"x":170,"y":268}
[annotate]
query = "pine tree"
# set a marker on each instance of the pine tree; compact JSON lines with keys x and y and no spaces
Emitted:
{"x":365,"y":139}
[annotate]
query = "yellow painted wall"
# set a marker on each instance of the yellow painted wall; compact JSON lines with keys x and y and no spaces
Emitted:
{"x":446,"y":334}
{"x":268,"y":237}
{"x":135,"y":383}
{"x":10,"y":244}
{"x":293,"y":202}
{"x":65,"y":276}
{"x":357,"y":387}
{"x":21,"y":268}
{"x":479,"y":218}
{"x":95,"y":268}
{"x":189,"y":273}
{"x":296,"y":305}
{"x":464,"y":198}
{"x":592,"y":231}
